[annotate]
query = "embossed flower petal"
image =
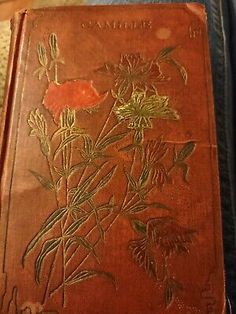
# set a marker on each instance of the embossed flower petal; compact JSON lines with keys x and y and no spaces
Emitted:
{"x":79,"y":94}
{"x":160,"y":175}
{"x":141,"y":108}
{"x":143,"y":256}
{"x":154,"y":150}
{"x":133,"y":69}
{"x":169,"y":236}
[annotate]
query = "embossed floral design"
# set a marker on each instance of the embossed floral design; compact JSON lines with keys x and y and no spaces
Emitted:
{"x":81,"y":218}
{"x":38,"y":128}
{"x":141,"y":109}
{"x":133,"y":70}
{"x":154,"y":151}
{"x":79,"y":94}
{"x":169,"y":236}
{"x":164,"y":233}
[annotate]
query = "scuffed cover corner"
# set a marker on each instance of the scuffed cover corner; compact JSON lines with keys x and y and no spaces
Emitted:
{"x":198,"y":9}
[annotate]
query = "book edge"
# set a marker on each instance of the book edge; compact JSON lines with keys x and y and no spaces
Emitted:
{"x":5,"y":126}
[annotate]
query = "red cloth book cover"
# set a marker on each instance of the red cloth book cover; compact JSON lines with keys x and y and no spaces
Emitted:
{"x":109,"y":178}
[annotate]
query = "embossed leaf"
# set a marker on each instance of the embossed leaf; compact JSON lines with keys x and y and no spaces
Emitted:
{"x":45,"y":146}
{"x":106,"y":179}
{"x":144,"y":176}
{"x":185,"y":152}
{"x":77,"y":167}
{"x":88,"y":144}
{"x":76,"y":225}
{"x":81,"y":241}
{"x":78,"y":192}
{"x":58,"y":184}
{"x":69,"y":139}
{"x":131,"y":180}
{"x":144,"y":206}
{"x":60,"y":131}
{"x":40,"y":72}
{"x":111,"y":140}
{"x":107,"y":206}
{"x":169,"y":296}
{"x":51,"y":221}
{"x":165,"y":52}
{"x":85,"y":197}
{"x":42,"y":55}
{"x":89,"y":274}
{"x":185,"y":169}
{"x":48,"y":247}
{"x":143,"y":256}
{"x":127,"y":148}
{"x":46,"y":183}
{"x":180,"y":68}
{"x":184,"y":74}
{"x":54,"y":46}
{"x":138,"y":208}
{"x":139,"y":226}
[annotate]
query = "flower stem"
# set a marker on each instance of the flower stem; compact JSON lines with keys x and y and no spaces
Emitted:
{"x":57,"y":250}
{"x":123,"y":205}
{"x":86,"y":235}
{"x":106,"y":122}
{"x":87,"y":255}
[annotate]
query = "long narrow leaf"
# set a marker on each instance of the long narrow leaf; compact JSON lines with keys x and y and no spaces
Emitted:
{"x":76,"y":225}
{"x":81,"y":241}
{"x":65,"y":142}
{"x":53,"y":219}
{"x":111,"y":140}
{"x":105,"y":180}
{"x":131,"y":180}
{"x":48,"y":247}
{"x":46,"y":183}
{"x":88,"y":274}
{"x":185,"y":152}
{"x":82,"y":187}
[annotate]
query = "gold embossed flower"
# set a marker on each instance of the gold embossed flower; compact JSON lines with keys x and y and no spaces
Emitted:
{"x":141,"y":109}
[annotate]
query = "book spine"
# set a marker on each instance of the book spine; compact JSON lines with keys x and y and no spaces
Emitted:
{"x":17,"y":25}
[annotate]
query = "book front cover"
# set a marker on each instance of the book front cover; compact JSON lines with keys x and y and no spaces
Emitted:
{"x":109,"y":191}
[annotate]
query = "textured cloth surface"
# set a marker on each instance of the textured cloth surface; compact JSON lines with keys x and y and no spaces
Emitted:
{"x":4,"y":49}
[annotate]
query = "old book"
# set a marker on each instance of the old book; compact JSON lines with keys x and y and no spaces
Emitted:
{"x":109,"y":177}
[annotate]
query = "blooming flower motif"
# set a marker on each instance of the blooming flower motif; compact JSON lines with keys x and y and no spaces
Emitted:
{"x":141,"y":108}
{"x":163,"y":233}
{"x":154,"y":150}
{"x":160,"y":175}
{"x":169,"y":236}
{"x":79,"y":94}
{"x":133,"y":70}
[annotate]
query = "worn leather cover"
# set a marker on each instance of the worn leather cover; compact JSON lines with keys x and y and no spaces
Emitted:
{"x":110,"y":197}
